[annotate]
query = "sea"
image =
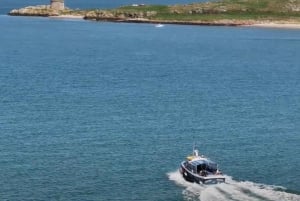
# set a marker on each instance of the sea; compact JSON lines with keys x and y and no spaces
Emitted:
{"x":100,"y":111}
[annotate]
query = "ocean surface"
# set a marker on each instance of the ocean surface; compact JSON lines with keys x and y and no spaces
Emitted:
{"x":107,"y":111}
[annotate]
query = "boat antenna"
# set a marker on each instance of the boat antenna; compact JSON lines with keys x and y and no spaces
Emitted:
{"x":194,"y":147}
{"x":195,"y":151}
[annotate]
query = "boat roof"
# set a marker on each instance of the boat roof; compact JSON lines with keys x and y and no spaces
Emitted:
{"x":200,"y":161}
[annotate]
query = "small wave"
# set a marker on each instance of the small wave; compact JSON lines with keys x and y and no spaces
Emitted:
{"x":231,"y":190}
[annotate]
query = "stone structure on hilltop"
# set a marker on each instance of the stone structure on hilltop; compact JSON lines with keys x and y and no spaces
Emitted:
{"x":57,"y":4}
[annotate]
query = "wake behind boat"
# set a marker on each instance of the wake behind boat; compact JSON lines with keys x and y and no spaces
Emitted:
{"x":197,"y":168}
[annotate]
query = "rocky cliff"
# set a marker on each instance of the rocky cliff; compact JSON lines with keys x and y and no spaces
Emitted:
{"x":40,"y":10}
{"x":118,"y":14}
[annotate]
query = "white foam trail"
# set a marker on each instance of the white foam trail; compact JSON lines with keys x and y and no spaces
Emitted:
{"x":231,"y":190}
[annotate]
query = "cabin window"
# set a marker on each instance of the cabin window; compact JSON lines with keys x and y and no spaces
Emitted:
{"x":212,"y":167}
{"x":201,"y":167}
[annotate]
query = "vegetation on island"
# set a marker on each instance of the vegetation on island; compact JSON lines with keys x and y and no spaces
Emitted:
{"x":226,"y":11}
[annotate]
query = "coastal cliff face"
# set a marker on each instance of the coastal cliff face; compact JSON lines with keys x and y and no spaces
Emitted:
{"x":40,"y":10}
{"x":48,"y":10}
{"x":118,"y":14}
{"x":55,"y":8}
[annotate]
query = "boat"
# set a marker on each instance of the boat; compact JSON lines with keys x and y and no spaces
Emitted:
{"x":200,"y":169}
{"x":159,"y":25}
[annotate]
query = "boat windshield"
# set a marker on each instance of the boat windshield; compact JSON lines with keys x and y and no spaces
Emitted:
{"x":205,"y":165}
{"x":212,"y":166}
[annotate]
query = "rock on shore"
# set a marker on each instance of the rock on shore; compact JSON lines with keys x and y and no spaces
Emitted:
{"x":40,"y":10}
{"x":103,"y":14}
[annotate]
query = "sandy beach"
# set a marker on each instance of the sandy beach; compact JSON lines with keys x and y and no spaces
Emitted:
{"x":68,"y":16}
{"x":277,"y":25}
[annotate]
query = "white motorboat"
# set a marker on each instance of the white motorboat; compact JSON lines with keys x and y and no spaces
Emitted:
{"x":200,"y":169}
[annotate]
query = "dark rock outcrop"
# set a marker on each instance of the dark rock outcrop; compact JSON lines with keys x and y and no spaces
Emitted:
{"x":117,"y":14}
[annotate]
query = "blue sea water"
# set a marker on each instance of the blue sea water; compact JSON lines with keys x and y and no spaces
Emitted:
{"x":107,"y":111}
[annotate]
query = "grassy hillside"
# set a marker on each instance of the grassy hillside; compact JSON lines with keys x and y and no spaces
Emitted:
{"x":226,"y":9}
{"x":223,"y":12}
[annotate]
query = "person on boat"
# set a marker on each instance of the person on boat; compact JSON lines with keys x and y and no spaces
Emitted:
{"x":203,"y":173}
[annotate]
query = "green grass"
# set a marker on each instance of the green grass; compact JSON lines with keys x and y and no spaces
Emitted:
{"x":213,"y":17}
{"x":225,"y":9}
{"x":157,"y":8}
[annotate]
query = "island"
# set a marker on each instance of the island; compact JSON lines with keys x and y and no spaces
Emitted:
{"x":274,"y":13}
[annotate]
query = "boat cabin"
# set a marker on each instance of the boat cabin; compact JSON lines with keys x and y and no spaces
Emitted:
{"x":197,"y":168}
{"x":201,"y":166}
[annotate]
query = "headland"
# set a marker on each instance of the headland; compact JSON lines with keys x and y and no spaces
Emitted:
{"x":260,"y":13}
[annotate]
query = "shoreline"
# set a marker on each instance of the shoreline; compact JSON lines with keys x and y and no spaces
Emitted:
{"x":258,"y":24}
{"x":146,"y":17}
{"x":68,"y":17}
{"x":276,"y":25}
{"x":196,"y":23}
{"x":281,"y":25}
